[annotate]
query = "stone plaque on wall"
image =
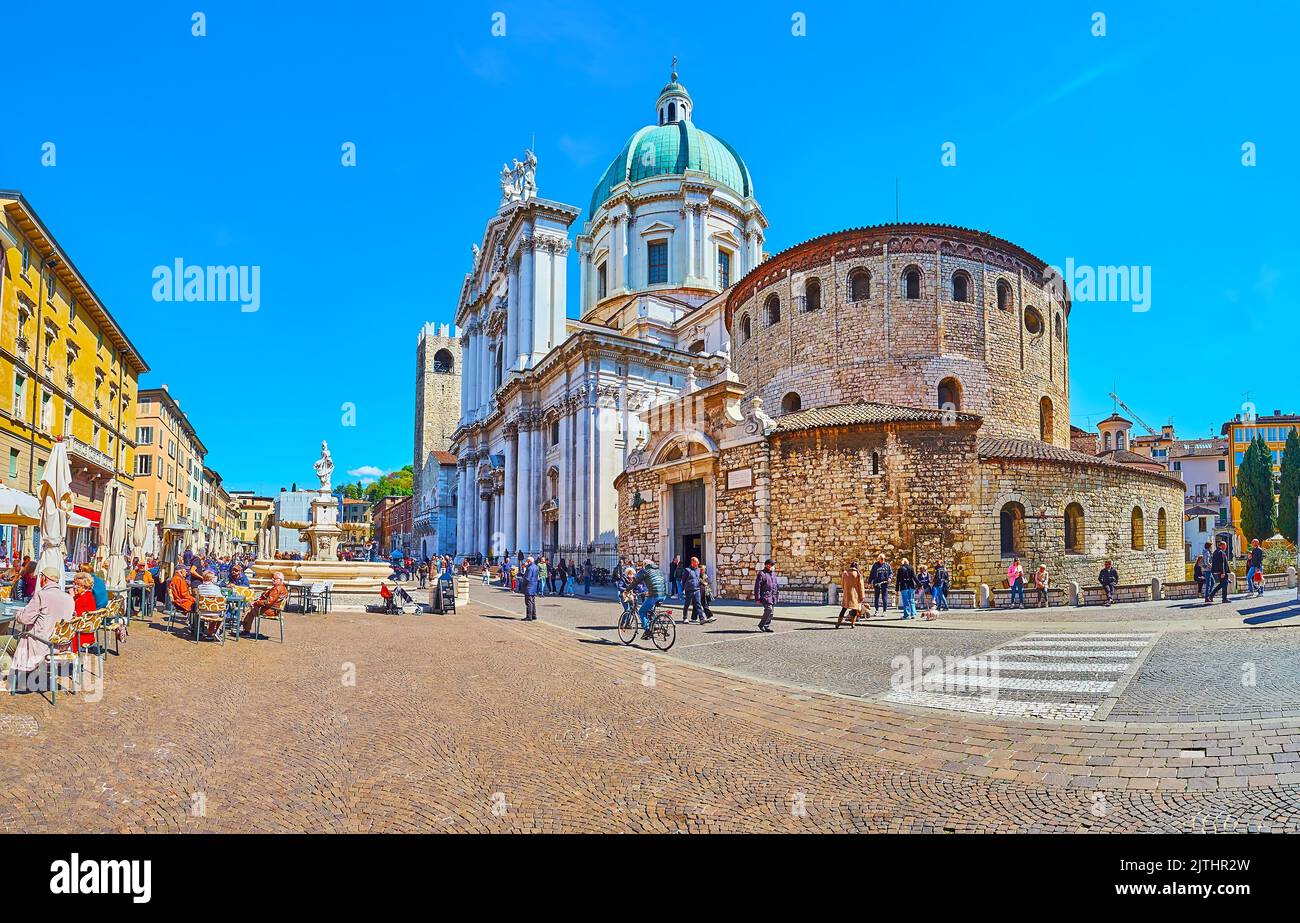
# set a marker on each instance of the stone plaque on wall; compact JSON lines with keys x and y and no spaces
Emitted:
{"x":740,"y":477}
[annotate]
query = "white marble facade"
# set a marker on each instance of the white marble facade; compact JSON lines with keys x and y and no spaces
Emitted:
{"x":548,"y":403}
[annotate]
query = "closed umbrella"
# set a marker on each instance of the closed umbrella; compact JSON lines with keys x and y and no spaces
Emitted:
{"x":140,"y":528}
{"x":105,"y":537}
{"x":116,"y":565}
{"x":55,"y":501}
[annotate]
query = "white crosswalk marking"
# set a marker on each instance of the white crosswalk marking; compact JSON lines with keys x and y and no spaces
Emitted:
{"x":1016,"y":679}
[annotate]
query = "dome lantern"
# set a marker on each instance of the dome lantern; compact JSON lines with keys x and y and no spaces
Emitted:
{"x":674,"y":103}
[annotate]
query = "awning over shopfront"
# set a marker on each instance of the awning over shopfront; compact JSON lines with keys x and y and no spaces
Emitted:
{"x":90,"y":515}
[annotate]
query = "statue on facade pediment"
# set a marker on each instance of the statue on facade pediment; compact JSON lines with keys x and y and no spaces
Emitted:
{"x":509,"y":185}
{"x":528,"y":176}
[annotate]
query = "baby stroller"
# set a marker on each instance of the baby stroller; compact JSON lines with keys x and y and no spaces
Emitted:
{"x":397,"y":601}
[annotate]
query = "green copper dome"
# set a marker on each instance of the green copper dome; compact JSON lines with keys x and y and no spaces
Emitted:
{"x":672,"y":149}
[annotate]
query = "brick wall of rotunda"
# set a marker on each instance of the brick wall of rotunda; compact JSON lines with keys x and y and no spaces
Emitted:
{"x":889,"y":348}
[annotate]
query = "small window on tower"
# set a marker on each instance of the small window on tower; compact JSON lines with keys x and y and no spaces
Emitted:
{"x":601,"y":282}
{"x":724,"y":268}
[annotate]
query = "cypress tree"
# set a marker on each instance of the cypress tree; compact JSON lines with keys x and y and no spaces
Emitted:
{"x":1289,"y":493}
{"x":1255,"y":491}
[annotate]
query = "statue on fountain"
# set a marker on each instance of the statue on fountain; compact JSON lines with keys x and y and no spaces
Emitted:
{"x":324,"y":467}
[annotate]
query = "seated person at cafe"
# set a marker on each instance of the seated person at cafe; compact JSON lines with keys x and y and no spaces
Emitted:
{"x":48,"y":606}
{"x":237,"y":576}
{"x":100,"y":587}
{"x":207,"y":589}
{"x":178,"y":588}
{"x":83,"y":601}
{"x":25,"y":582}
{"x":271,"y":600}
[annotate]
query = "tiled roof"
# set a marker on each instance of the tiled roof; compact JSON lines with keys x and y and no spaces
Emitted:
{"x":1033,"y":450}
{"x":444,"y":458}
{"x":866,"y":413}
{"x":1125,"y":457}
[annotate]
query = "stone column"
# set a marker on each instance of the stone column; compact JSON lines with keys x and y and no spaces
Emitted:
{"x":523,"y":478}
{"x":535,"y":482}
{"x":689,"y":213}
{"x":508,"y":496}
{"x":568,"y":476}
{"x":462,"y":501}
{"x":527,"y":314}
{"x":582,"y":517}
{"x":559,"y":291}
{"x":512,"y":317}
{"x":485,"y":527}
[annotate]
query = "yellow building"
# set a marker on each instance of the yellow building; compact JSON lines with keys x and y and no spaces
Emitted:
{"x":251,"y":510}
{"x":68,"y":367}
{"x":1241,"y":432}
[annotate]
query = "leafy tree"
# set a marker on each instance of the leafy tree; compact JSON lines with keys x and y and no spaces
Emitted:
{"x":1255,"y":491}
{"x":396,"y":483}
{"x":1289,"y":493}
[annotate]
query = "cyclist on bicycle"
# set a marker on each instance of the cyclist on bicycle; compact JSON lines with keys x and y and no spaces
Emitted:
{"x":656,"y":588}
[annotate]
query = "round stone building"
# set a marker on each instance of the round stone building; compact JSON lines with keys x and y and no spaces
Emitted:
{"x":900,"y":389}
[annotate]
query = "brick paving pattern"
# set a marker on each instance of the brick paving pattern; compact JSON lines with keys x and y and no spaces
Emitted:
{"x":477,"y":722}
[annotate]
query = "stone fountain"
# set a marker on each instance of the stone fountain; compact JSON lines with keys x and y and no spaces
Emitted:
{"x":323,"y":534}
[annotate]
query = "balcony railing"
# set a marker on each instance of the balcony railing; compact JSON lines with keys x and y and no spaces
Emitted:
{"x":89,"y":453}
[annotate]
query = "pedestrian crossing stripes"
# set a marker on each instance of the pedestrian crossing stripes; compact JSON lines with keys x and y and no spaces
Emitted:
{"x":1023,"y":678}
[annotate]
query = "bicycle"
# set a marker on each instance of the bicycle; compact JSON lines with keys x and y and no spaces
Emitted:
{"x":663,"y":630}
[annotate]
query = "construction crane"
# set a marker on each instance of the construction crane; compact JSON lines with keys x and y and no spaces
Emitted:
{"x":1143,"y":423}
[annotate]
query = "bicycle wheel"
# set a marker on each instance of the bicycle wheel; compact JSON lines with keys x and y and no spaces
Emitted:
{"x":663,"y":631}
{"x":629,"y":627}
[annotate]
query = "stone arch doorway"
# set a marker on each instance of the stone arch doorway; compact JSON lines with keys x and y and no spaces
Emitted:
{"x":687,"y":491}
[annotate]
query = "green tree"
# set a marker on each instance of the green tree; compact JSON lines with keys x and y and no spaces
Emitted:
{"x":1255,"y":491}
{"x":399,"y":483}
{"x":1289,"y":492}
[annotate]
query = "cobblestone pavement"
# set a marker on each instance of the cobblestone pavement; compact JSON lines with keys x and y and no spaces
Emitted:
{"x":478,"y":722}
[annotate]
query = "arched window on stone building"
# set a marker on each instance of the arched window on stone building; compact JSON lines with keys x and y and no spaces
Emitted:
{"x":1046,"y":420}
{"x":812,"y":295}
{"x":859,"y":285}
{"x":791,"y":402}
{"x":746,"y":328}
{"x":1011,"y":527}
{"x":1058,"y":325}
{"x":443,"y":363}
{"x":1005,"y":299}
{"x":1074,"y":529}
{"x":1106,"y":443}
{"x":1137,"y":540}
{"x":875,"y":462}
{"x":772,"y":307}
{"x":961,"y":286}
{"x":912,"y":283}
{"x":950,"y":394}
{"x":1162,"y":528}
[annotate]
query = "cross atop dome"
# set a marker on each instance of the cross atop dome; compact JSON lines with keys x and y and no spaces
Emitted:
{"x":674,"y":103}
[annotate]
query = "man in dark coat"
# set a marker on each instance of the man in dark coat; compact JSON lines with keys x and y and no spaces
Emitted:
{"x":1109,"y":579}
{"x":879,"y":576}
{"x":1219,"y":569}
{"x":766,"y":594}
{"x":531,"y":581}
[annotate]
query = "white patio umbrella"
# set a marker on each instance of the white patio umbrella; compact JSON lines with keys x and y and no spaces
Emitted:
{"x":104,"y":538}
{"x":140,"y":528}
{"x":55,"y":501}
{"x":18,"y":508}
{"x":116,"y":564}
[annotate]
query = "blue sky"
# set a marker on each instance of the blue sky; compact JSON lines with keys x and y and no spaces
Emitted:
{"x":226,"y":150}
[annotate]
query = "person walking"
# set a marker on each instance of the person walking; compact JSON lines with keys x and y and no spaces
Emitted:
{"x":675,"y":575}
{"x":1255,"y":567}
{"x":692,"y":598}
{"x":1198,"y":574}
{"x":942,"y":580}
{"x":1206,"y":562}
{"x":1109,"y":579}
{"x":852,"y":593}
{"x":905,"y":582}
{"x":570,"y":579}
{"x":1219,"y":565}
{"x":766,"y":593}
{"x":532,"y":581}
{"x":706,"y":596}
{"x":1016,"y":580}
{"x":880,"y":575}
{"x":543,"y":575}
{"x":586,"y":578}
{"x":923,"y":585}
{"x":1040,"y":587}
